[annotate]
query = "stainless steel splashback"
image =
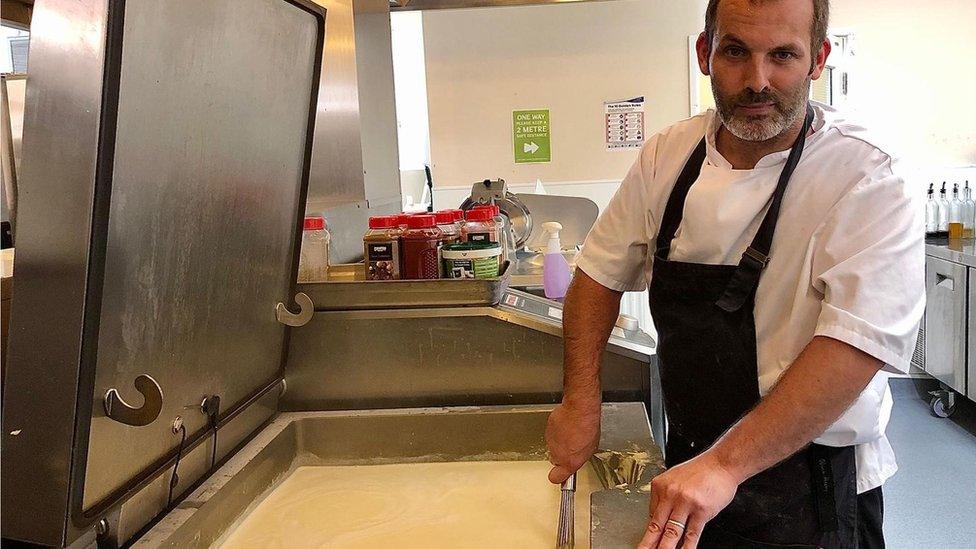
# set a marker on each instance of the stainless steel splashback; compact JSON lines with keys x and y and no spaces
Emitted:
{"x":337,"y":158}
{"x":457,"y":356}
{"x":355,"y":168}
{"x":173,"y":139}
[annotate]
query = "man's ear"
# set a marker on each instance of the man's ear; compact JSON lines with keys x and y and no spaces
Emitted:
{"x":820,"y":60}
{"x":704,"y":49}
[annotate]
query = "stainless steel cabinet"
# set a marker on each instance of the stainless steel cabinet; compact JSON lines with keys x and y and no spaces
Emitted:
{"x":971,"y":391}
{"x":945,"y":322}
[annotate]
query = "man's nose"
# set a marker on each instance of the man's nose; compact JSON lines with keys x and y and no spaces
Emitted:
{"x":757,"y":74}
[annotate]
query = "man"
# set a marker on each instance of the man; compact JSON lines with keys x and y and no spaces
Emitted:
{"x":785,"y":264}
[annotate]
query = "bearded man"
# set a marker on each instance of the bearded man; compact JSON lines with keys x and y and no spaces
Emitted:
{"x":784,"y":259}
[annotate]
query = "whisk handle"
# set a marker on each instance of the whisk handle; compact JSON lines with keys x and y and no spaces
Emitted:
{"x":569,"y":485}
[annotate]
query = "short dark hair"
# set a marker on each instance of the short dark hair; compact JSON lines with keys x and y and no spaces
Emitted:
{"x":818,"y":28}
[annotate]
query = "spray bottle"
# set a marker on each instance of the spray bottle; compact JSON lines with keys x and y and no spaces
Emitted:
{"x":555,"y":268}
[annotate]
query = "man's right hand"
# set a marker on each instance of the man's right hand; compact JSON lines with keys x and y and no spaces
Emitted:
{"x":573,"y":431}
{"x":572,"y":436}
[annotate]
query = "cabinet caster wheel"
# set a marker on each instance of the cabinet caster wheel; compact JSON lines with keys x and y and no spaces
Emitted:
{"x":941,"y":407}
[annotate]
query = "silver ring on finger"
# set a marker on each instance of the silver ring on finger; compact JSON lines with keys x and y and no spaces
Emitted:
{"x":676,"y":523}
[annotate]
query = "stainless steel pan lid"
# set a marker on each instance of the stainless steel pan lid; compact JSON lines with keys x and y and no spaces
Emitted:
{"x":174,"y":141}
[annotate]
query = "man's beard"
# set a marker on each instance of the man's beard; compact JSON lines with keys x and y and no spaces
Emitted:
{"x":787,"y":109}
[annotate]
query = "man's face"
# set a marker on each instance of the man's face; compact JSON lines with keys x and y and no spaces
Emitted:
{"x":761,"y":65}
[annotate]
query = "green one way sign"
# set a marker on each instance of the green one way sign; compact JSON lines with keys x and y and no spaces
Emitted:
{"x":530,"y":133}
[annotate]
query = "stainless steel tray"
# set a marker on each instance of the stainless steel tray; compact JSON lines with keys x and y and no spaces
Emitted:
{"x":618,"y":513}
{"x":347,"y":289}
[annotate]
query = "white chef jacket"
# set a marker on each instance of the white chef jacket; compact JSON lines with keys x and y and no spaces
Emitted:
{"x":847,"y":259}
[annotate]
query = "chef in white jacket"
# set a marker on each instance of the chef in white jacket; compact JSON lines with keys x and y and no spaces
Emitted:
{"x":784,"y":258}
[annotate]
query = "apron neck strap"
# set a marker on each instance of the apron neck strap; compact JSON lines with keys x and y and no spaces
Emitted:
{"x":676,"y":202}
{"x":746,"y":278}
{"x":756,"y":256}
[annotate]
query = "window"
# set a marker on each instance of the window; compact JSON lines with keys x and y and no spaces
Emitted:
{"x":833,"y":86}
{"x":18,"y":53}
{"x":14,"y":42}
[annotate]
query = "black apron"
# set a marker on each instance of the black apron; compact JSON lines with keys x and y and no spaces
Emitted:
{"x":709,"y":376}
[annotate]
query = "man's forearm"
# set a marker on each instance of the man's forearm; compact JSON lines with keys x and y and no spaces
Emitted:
{"x":817,"y":388}
{"x":573,"y":427}
{"x":588,"y":317}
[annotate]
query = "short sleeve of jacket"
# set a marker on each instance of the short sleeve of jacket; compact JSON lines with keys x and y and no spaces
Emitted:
{"x":868,"y":262}
{"x":615,"y":252}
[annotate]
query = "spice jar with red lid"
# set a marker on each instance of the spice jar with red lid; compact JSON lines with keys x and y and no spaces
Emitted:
{"x":381,"y":248}
{"x":458,"y":215}
{"x":421,"y":243}
{"x":313,"y":263}
{"x":447,"y":225}
{"x":479,"y":226}
{"x":402,"y":219}
{"x":505,"y":236}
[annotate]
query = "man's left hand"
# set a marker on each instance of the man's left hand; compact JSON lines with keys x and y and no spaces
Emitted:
{"x":688,"y":495}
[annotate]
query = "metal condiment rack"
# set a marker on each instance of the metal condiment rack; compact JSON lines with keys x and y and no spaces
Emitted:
{"x":347,"y":289}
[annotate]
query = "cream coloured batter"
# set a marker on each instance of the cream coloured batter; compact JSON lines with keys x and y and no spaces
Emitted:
{"x":483,"y":504}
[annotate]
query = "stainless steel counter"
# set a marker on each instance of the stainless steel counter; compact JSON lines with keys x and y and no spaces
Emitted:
{"x":950,"y":314}
{"x":962,"y":251}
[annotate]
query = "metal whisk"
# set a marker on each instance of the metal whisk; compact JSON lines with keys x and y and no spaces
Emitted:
{"x":567,"y":514}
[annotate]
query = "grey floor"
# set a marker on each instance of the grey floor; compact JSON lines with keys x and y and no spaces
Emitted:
{"x":931,"y":501}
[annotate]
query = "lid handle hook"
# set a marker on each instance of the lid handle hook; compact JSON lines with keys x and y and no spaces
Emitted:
{"x":119,"y":410}
{"x":301,"y":318}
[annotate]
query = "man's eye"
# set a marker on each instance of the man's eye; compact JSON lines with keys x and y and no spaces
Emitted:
{"x":734,"y":51}
{"x":784,"y":55}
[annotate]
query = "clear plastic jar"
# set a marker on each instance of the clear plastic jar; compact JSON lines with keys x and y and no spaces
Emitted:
{"x":505,"y":237}
{"x":458,"y":218}
{"x":446,"y":223}
{"x":313,"y":263}
{"x":479,"y":226}
{"x":421,"y":243}
{"x":381,"y":248}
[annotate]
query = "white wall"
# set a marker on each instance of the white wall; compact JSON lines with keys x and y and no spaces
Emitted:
{"x":915,"y":85}
{"x":484,"y":63}
{"x":915,"y":76}
{"x":914,"y":81}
